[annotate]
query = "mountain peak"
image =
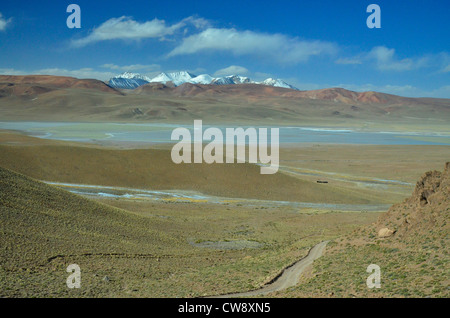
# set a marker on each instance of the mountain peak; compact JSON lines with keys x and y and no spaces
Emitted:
{"x":177,"y":78}
{"x":183,"y":73}
{"x":129,"y":75}
{"x":277,"y":83}
{"x":130,"y":80}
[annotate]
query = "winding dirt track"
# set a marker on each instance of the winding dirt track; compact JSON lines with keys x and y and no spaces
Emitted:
{"x":288,"y":278}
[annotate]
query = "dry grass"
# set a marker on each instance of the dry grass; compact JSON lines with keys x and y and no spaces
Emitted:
{"x":414,"y":260}
{"x":154,"y":169}
{"x":147,"y":252}
{"x":153,"y":249}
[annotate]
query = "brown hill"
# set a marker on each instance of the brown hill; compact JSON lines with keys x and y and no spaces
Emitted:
{"x":245,"y":90}
{"x":153,"y":88}
{"x":53,"y":98}
{"x":350,"y":97}
{"x":11,"y":85}
{"x":334,"y":94}
{"x":40,"y":84}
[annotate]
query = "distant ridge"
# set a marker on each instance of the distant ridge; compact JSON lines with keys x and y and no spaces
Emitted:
{"x":188,"y":84}
{"x":133,"y":80}
{"x":261,"y":91}
{"x":30,"y":85}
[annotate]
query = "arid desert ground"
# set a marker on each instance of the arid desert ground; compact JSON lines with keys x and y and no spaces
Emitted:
{"x":79,"y":186}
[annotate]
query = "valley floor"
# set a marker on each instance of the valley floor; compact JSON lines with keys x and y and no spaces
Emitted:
{"x":141,"y":247}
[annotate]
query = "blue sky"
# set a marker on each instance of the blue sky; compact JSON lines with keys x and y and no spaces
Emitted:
{"x":309,"y":44}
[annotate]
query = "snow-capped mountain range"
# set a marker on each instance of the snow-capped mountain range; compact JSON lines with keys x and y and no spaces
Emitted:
{"x":132,"y":80}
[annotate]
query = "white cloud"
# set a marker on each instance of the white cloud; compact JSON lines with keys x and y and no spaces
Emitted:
{"x":261,"y":76}
{"x":401,"y":90}
{"x":446,"y":69}
{"x":125,"y":28}
{"x":348,"y":61}
{"x":198,"y":70}
{"x":304,"y":86}
{"x":197,"y":22}
{"x":277,"y":47}
{"x":133,"y":67}
{"x":386,"y":60}
{"x":443,"y":59}
{"x":11,"y":71}
{"x":232,"y":70}
{"x":79,"y":73}
{"x":442,"y":62}
{"x":4,"y":23}
{"x":441,"y":92}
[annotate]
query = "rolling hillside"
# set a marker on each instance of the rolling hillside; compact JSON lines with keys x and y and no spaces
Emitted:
{"x":44,"y":229}
{"x":153,"y":169}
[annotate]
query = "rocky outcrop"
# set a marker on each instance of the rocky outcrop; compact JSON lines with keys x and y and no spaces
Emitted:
{"x":385,"y":232}
{"x":428,"y":209}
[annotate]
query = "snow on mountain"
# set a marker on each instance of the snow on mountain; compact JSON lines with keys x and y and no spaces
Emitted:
{"x":202,"y":79}
{"x":126,"y":83}
{"x":231,"y":79}
{"x":161,"y":78}
{"x":240,"y":79}
{"x":128,"y":75}
{"x":132,"y":80}
{"x":276,"y":83}
{"x":223,"y":81}
{"x":128,"y":80}
{"x":177,"y":78}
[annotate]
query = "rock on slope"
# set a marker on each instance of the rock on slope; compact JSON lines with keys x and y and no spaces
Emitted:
{"x":425,"y":211}
{"x":410,"y":244}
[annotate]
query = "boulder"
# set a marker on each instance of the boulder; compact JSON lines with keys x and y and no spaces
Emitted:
{"x":385,"y":232}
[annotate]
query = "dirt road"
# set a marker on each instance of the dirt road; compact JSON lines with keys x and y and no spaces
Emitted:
{"x":288,"y":278}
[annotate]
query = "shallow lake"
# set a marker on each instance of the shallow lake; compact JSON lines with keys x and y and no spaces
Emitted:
{"x":161,"y":133}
